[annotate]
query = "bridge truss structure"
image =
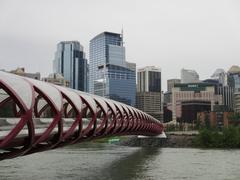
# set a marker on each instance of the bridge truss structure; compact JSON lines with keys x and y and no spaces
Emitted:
{"x":37,"y":116}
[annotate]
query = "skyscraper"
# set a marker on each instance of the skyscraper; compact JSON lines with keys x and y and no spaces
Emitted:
{"x":227,"y":93}
{"x":189,"y":76}
{"x":149,"y":79}
{"x":221,"y":76}
{"x":109,"y":73}
{"x":234,"y":78}
{"x":234,"y":82}
{"x":237,"y":102}
{"x":70,"y":61}
{"x":171,"y":82}
{"x":149,"y":91}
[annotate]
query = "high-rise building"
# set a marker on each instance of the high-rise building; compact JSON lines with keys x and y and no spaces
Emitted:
{"x":234,"y":77}
{"x":149,"y":79}
{"x":237,"y":102}
{"x":70,"y":61}
{"x":171,"y":82}
{"x":190,"y":98}
{"x":234,"y":82}
{"x":227,"y":93}
{"x":189,"y":76}
{"x":109,"y":73}
{"x":221,"y":76}
{"x":149,"y":95}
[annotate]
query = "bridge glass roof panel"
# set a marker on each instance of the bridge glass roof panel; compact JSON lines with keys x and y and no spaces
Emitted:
{"x":131,"y":110}
{"x":41,"y":104}
{"x":50,"y":91}
{"x":3,"y":95}
{"x":20,"y":87}
{"x":135,"y":112}
{"x":88,"y":98}
{"x":101,"y":102}
{"x":125,"y":107}
{"x":73,"y":96}
{"x":118,"y":106}
{"x":111,"y":104}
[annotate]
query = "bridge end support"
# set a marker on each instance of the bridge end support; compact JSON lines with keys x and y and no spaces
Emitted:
{"x":162,"y":136}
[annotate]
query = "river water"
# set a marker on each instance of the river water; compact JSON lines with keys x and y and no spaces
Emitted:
{"x":93,"y":161}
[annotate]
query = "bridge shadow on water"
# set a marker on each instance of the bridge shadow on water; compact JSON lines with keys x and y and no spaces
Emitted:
{"x":113,"y":162}
{"x":132,"y":166}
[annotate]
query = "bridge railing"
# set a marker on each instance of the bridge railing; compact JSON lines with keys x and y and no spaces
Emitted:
{"x":37,"y":116}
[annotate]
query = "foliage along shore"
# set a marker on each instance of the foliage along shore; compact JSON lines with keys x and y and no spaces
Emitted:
{"x":214,"y":138}
{"x":227,"y":138}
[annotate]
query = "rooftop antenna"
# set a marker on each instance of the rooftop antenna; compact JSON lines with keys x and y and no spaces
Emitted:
{"x":122,"y":35}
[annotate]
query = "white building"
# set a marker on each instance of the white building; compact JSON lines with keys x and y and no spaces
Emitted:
{"x":189,"y":76}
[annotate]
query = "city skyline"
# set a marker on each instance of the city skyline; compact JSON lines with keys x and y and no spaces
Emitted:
{"x":119,"y":89}
{"x":188,"y":35}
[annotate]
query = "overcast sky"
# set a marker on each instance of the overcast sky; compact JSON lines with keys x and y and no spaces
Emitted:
{"x":172,"y":34}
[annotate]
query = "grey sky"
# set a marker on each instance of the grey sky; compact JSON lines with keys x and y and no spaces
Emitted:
{"x":172,"y":34}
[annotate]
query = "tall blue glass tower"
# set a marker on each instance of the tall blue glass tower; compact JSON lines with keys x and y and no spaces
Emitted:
{"x":109,"y":73}
{"x":70,"y":61}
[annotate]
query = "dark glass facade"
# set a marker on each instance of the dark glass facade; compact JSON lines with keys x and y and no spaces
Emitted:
{"x":149,"y":79}
{"x":234,"y":81}
{"x":70,"y":61}
{"x":154,"y":79}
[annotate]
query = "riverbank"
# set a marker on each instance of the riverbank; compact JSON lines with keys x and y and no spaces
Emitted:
{"x":228,"y":138}
{"x":174,"y":140}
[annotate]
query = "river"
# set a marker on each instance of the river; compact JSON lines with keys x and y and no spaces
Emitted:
{"x":93,"y":161}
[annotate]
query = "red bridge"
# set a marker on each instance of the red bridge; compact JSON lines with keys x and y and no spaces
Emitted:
{"x":37,"y":116}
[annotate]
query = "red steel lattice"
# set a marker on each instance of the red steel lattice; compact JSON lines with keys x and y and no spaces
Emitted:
{"x":45,"y":116}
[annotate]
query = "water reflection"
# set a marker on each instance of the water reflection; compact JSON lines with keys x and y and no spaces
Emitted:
{"x":110,"y":162}
{"x":94,"y":161}
{"x":88,"y":161}
{"x":133,"y":166}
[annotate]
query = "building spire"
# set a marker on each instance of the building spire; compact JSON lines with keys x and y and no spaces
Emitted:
{"x":122,"y":36}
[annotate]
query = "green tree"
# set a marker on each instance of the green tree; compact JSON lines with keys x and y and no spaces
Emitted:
{"x":207,"y":122}
{"x":230,"y":137}
{"x":234,"y":118}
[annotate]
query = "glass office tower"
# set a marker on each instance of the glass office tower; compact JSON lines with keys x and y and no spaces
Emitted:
{"x":234,"y":82}
{"x":109,"y":73}
{"x":234,"y":77}
{"x":70,"y":61}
